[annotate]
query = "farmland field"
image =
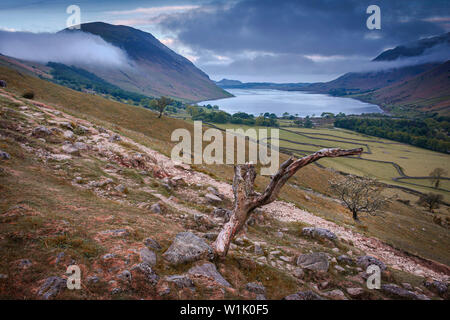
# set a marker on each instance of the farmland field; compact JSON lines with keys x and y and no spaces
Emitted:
{"x":390,"y":162}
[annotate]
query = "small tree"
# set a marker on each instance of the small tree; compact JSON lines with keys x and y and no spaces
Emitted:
{"x":430,"y":201}
{"x":161,"y":103}
{"x":436,"y":176}
{"x":359,"y":194}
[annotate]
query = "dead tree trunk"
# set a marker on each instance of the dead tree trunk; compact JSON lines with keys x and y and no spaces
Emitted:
{"x":246,"y":199}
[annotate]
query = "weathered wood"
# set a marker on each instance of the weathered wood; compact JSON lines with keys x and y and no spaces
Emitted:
{"x":246,"y":199}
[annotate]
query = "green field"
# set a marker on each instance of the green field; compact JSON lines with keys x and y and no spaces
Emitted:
{"x":389,"y":161}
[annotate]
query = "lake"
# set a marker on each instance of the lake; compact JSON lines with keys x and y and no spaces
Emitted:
{"x":257,"y":101}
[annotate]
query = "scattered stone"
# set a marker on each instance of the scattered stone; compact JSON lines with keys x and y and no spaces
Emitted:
{"x":147,"y":271}
{"x":152,"y":244}
{"x":344,"y":259}
{"x":317,"y":261}
{"x":407,"y":286}
{"x":319,"y":233}
{"x":324,"y":285}
{"x":148,"y":257}
{"x":114,"y":138}
{"x":285,"y":259}
{"x":209,"y":270}
{"x":335,"y":250}
{"x":397,"y":292}
{"x":212,"y":198}
{"x":204,"y":220}
{"x":68,"y":134}
{"x":51,"y":287}
{"x":355,"y":292}
{"x":255,"y":287}
{"x":80,"y":145}
{"x":222,"y":213}
{"x":188,"y":247}
{"x":4,"y":155}
{"x":3,"y":84}
{"x":304,"y":295}
{"x":365,"y":261}
{"x":116,"y":290}
{"x":70,"y":149}
{"x":117,"y":232}
{"x":67,"y":125}
{"x":299,"y":273}
{"x":210,"y":236}
{"x":181,"y":281}
{"x":125,"y":275}
{"x":260,"y":297}
{"x":41,"y":131}
{"x":279,"y":234}
{"x":215,"y":192}
{"x":335,"y":295}
{"x":82,"y":129}
{"x":436,"y":286}
{"x":102,"y":183}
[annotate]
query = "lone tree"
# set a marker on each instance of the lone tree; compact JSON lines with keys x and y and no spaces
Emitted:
{"x":359,"y":194}
{"x":436,"y":176}
{"x":246,"y":199}
{"x":430,"y":201}
{"x":161,"y":103}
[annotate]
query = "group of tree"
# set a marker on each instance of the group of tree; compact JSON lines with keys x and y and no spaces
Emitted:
{"x":217,"y":116}
{"x":429,"y":133}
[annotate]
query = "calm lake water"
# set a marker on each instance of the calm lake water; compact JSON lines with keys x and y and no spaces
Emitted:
{"x":257,"y":101}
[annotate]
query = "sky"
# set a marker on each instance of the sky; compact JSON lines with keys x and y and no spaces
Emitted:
{"x":253,"y":40}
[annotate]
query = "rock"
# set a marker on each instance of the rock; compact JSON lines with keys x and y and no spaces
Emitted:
{"x":116,"y":290}
{"x":41,"y":131}
{"x":355,"y":292}
{"x":4,"y":155}
{"x":25,"y":263}
{"x":299,"y":273}
{"x":255,"y":287}
{"x":108,"y":256}
{"x":3,"y":84}
{"x":335,"y":295}
{"x":121,"y":188}
{"x":285,"y":259}
{"x":366,"y":261}
{"x":67,"y":125}
{"x":114,"y":138}
{"x":397,"y":292}
{"x":152,"y":244}
{"x":93,"y":279}
{"x":436,"y":286}
{"x":319,"y":233}
{"x":211,"y":236}
{"x":68,"y":134}
{"x":209,"y":270}
{"x":155,"y":208}
{"x":317,"y":261}
{"x":344,"y":259}
{"x":70,"y":149}
{"x":407,"y":286}
{"x":215,"y":192}
{"x":117,"y":232}
{"x":304,"y":295}
{"x":204,"y":220}
{"x":222,"y":213}
{"x":339,"y":268}
{"x":279,"y":234}
{"x":147,"y":271}
{"x":148,"y":257}
{"x":181,"y":281}
{"x":52,"y":287}
{"x":187,"y":247}
{"x":80,"y":145}
{"x":101,"y":183}
{"x":335,"y":250}
{"x":125,"y":275}
{"x":212,"y":198}
{"x":260,"y":297}
{"x":258,"y":250}
{"x":82,"y":129}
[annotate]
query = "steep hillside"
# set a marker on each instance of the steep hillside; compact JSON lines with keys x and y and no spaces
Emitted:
{"x":428,"y":91}
{"x":156,"y":70}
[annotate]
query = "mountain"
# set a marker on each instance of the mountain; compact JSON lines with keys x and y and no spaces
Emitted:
{"x":413,"y":49}
{"x":428,"y":91}
{"x":157,"y":70}
{"x":236,"y":84}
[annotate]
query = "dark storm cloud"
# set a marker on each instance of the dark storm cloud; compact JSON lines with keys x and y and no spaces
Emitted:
{"x":268,"y":37}
{"x":305,"y":26}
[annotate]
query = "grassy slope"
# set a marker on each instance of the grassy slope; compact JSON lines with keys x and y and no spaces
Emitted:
{"x":143,"y":126}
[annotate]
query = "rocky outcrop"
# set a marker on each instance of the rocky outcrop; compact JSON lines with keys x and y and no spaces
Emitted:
{"x":52,"y":287}
{"x":319,"y":233}
{"x":187,"y":247}
{"x":365,"y":261}
{"x":304,"y":295}
{"x":209,"y":270}
{"x":397,"y":292}
{"x":317,"y":261}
